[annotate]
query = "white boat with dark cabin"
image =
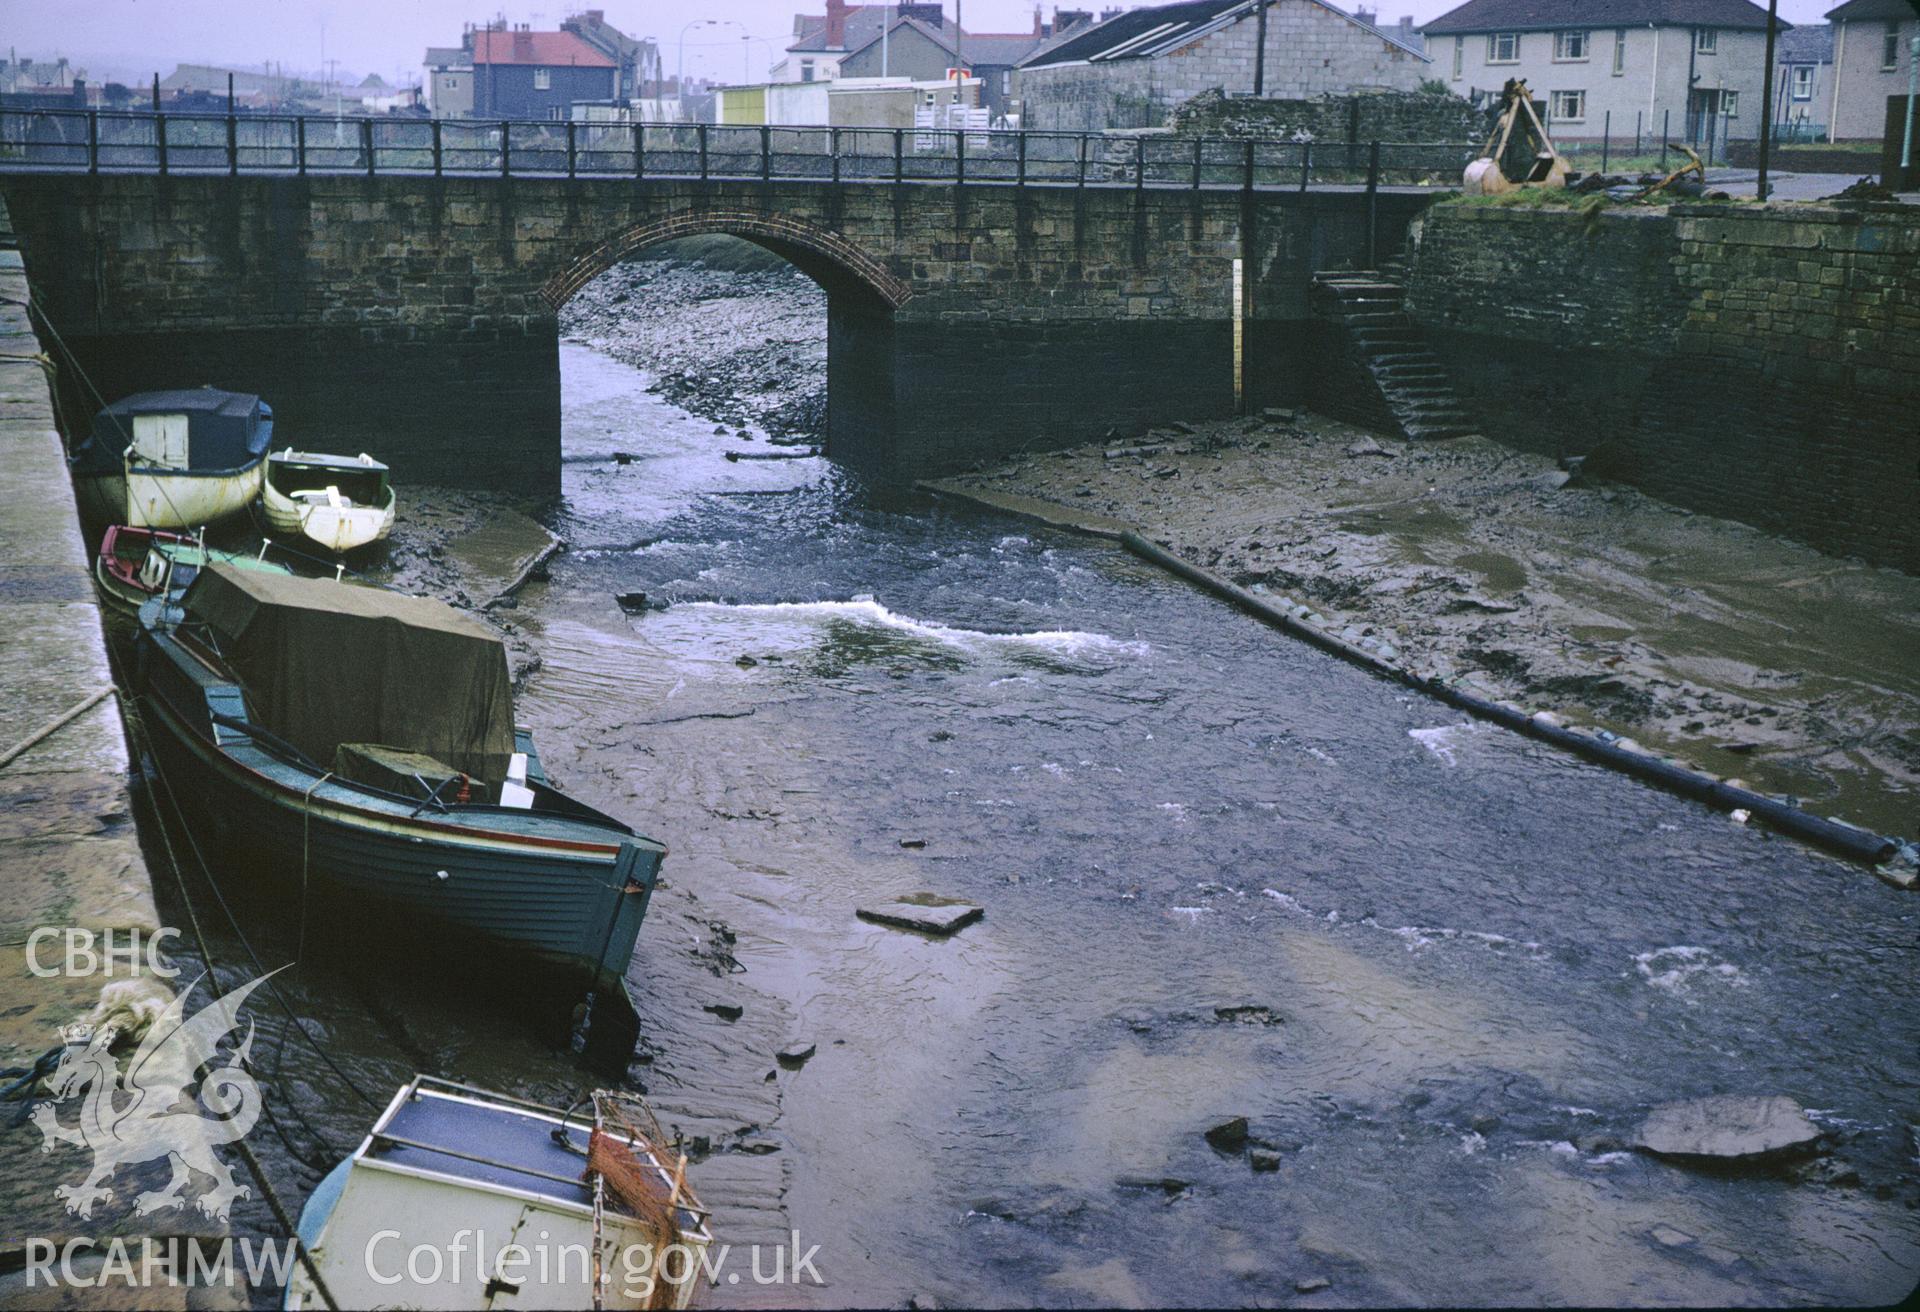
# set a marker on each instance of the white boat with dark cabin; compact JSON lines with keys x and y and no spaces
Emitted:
{"x":178,"y":459}
{"x":339,"y":502}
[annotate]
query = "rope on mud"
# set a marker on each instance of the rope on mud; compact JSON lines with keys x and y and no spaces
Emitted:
{"x":1860,"y":845}
{"x":52,"y":727}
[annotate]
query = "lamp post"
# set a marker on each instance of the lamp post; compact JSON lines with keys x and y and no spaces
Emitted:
{"x":681,"y":79}
{"x":1913,"y":94}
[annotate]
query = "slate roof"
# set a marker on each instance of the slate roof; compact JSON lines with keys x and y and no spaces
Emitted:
{"x":1146,"y":33}
{"x":1855,"y":10}
{"x":1805,"y":45}
{"x":1538,"y":15}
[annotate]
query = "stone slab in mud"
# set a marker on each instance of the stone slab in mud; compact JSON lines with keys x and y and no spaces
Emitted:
{"x":925,"y":912}
{"x":1729,"y":1128}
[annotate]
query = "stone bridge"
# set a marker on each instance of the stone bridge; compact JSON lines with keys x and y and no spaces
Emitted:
{"x":416,"y":315}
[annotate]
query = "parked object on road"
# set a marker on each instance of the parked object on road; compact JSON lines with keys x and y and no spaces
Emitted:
{"x":135,"y":565}
{"x":1486,"y":177}
{"x":360,"y":743}
{"x":460,"y":1170}
{"x":340,"y":502}
{"x":177,"y":459}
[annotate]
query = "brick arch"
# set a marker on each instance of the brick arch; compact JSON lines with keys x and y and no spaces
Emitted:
{"x":781,"y":233}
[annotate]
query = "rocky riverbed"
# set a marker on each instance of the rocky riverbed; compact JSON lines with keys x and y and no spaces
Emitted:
{"x":1749,"y":655}
{"x":731,"y":337}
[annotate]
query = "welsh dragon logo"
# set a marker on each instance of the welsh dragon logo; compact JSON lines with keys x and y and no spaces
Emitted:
{"x":138,"y":1116}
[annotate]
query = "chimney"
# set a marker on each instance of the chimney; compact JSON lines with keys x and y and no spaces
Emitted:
{"x":1366,"y":15}
{"x":1039,"y":28}
{"x":836,"y":24}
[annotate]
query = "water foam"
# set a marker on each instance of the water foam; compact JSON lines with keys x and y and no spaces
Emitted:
{"x":863,"y":609}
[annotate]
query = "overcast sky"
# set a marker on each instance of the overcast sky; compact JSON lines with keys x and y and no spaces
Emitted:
{"x":133,"y":38}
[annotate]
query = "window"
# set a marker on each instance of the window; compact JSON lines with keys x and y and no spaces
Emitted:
{"x":1503,"y":47}
{"x":1619,"y":52}
{"x":1006,"y":82}
{"x":1706,"y":41}
{"x":1569,"y":106}
{"x":1569,"y":47}
{"x":1459,"y":55}
{"x":1890,"y":48}
{"x":806,"y":70}
{"x":1803,"y":81}
{"x":1730,"y":103}
{"x":543,"y":79}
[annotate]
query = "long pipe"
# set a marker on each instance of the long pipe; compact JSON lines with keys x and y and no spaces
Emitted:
{"x":1913,"y":93}
{"x":1859,"y":845}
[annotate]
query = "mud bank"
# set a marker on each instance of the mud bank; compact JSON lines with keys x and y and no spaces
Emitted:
{"x":1748,"y":655}
{"x":746,"y":347}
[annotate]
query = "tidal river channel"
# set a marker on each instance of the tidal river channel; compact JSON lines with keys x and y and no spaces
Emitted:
{"x":1443,"y":971}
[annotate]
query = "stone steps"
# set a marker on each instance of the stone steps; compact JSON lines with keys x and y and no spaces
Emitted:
{"x":1410,"y":379}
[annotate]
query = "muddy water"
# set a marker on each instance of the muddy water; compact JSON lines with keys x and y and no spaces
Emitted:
{"x":1442,"y":971}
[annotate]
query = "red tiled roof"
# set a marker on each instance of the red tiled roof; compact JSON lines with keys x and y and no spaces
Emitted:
{"x":555,"y":49}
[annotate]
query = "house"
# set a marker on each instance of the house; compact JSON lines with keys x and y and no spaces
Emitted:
{"x":1802,"y":83}
{"x":638,"y":57}
{"x":519,"y":73}
{"x":1872,"y":50}
{"x":449,"y":80}
{"x":1404,"y":30}
{"x":1634,"y":68}
{"x":925,"y":51}
{"x":1132,"y":70}
{"x":821,"y":41}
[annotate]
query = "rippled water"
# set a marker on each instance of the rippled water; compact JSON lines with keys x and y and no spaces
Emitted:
{"x":1442,"y":970}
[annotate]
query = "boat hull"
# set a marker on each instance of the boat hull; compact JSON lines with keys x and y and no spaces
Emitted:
{"x":337,"y":528}
{"x":160,"y":498}
{"x":553,"y":915}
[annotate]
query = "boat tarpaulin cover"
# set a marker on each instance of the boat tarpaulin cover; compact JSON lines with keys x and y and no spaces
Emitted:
{"x":325,"y":663}
{"x":226,"y":431}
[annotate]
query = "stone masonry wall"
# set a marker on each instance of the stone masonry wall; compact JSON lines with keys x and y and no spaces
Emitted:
{"x":415,"y":317}
{"x":1761,"y":364}
{"x":1311,"y":51}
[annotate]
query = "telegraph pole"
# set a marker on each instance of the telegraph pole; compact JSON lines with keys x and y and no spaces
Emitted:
{"x":1766,"y":100}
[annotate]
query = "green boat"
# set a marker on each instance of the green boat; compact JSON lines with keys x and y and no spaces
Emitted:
{"x":135,"y":565}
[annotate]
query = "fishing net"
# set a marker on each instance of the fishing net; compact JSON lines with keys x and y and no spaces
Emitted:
{"x":628,"y":1152}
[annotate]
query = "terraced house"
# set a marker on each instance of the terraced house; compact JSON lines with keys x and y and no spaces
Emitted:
{"x":1693,"y":68}
{"x":1873,"y":55}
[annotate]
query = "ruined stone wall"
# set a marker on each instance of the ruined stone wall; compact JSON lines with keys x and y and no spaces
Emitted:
{"x":1383,"y":116}
{"x":1761,"y":364}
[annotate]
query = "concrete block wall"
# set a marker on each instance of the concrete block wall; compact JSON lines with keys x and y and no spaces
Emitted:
{"x":1757,"y":363}
{"x":1311,"y":51}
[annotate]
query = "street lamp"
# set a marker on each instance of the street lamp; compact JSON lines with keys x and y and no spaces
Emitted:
{"x":698,"y":22}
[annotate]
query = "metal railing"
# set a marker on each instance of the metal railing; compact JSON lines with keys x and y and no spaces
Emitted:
{"x":96,"y":141}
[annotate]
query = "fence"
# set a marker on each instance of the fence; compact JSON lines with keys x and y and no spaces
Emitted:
{"x":103,"y":142}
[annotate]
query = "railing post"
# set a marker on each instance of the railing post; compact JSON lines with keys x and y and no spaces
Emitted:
{"x":573,"y":153}
{"x":437,"y":157}
{"x":160,"y":139}
{"x":1083,"y":159}
{"x":233,"y":146}
{"x":1020,"y":175}
{"x":93,"y":141}
{"x":766,"y":153}
{"x":506,"y":149}
{"x":1199,"y":157}
{"x":300,"y":145}
{"x":1306,"y":163}
{"x":899,"y":154}
{"x":700,"y":133}
{"x":366,"y":142}
{"x":960,"y":157}
{"x":833,"y":148}
{"x":639,"y":151}
{"x":1139,"y":163}
{"x":1606,"y":139}
{"x":1373,"y":206}
{"x":1250,"y":149}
